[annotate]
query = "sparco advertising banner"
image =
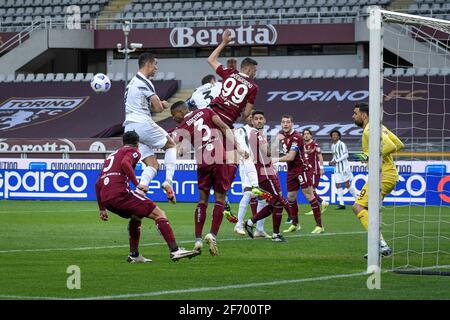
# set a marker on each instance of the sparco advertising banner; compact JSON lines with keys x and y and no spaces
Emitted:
{"x":421,"y":183}
{"x":265,"y":34}
{"x":64,"y":109}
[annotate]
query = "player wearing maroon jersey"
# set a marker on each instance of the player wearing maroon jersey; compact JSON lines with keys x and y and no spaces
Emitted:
{"x":237,"y":96}
{"x":114,"y":193}
{"x":315,"y":159}
{"x":204,"y":130}
{"x":267,"y":179}
{"x":299,"y":174}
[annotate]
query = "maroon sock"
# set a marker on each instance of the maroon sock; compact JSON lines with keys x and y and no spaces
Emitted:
{"x":200,"y":217}
{"x":254,"y":206}
{"x":319,"y":199}
{"x":276,"y":218}
{"x":264,"y":212}
{"x":232,"y":168}
{"x":217,"y":217}
{"x":293,"y":212}
{"x":316,"y":211}
{"x":165,"y":230}
{"x":134,"y":234}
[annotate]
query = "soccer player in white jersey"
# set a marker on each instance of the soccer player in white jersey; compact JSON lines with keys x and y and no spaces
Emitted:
{"x":140,"y":101}
{"x":342,"y":173}
{"x":203,"y":95}
{"x":249,"y":180}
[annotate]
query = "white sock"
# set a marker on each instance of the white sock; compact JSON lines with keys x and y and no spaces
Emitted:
{"x":250,"y":171}
{"x":340,"y":196}
{"x":170,"y":159}
{"x":260,"y":223}
{"x":147,"y":175}
{"x":243,"y":207}
{"x":353,"y":191}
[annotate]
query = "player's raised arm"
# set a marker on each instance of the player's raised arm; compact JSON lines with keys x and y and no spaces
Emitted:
{"x":213,"y":58}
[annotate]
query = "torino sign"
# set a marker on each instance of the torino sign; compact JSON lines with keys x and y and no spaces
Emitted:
{"x":250,"y":35}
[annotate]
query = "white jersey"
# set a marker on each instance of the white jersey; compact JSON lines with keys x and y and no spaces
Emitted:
{"x":243,"y":137}
{"x":202,"y":96}
{"x":340,"y":155}
{"x":137,"y":104}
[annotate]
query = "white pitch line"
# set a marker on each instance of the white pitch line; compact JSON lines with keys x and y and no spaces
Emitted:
{"x":47,"y":211}
{"x":163,"y":243}
{"x":191,"y":290}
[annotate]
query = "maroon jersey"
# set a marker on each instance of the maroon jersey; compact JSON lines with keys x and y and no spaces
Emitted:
{"x":312,"y":150}
{"x":117,"y":172}
{"x":204,"y":135}
{"x":294,"y":142}
{"x":238,"y":89}
{"x":263,"y":162}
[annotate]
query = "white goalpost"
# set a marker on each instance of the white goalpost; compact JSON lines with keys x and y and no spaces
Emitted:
{"x":409,"y":93}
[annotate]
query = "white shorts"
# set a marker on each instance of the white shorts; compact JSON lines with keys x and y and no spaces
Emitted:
{"x":244,"y":179}
{"x":151,"y":137}
{"x":341,"y":177}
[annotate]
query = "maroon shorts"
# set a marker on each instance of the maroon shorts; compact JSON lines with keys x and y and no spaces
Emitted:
{"x":299,"y":180}
{"x":132,"y":204}
{"x":315,"y":180}
{"x":272,"y":186}
{"x":214,"y":176}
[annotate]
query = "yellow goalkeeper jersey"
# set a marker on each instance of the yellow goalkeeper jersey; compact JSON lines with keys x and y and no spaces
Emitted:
{"x":391,"y":143}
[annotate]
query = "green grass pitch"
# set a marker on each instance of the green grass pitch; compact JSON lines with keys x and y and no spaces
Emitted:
{"x":40,"y":239}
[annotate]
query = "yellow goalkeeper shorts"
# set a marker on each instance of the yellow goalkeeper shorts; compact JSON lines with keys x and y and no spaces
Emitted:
{"x":387,"y":185}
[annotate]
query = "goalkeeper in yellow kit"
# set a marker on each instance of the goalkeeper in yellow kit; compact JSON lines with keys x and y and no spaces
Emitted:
{"x":389,"y":176}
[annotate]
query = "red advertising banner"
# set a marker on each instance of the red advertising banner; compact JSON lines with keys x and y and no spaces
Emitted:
{"x":181,"y":37}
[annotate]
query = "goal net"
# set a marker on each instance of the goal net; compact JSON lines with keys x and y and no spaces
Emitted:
{"x":410,"y":79}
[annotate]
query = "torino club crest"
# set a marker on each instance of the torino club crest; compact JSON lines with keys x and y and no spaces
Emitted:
{"x":20,"y":112}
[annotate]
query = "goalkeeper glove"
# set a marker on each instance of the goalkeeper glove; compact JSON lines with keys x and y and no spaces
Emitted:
{"x":358,"y":157}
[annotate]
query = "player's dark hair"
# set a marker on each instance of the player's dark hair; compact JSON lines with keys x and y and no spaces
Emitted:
{"x":178,"y":105}
{"x":304,"y":130}
{"x":208,"y":78}
{"x":248,"y":62}
{"x":363,"y":107}
{"x":146,"y":57}
{"x":288,"y":116}
{"x":337,"y":131}
{"x":130,"y":138}
{"x":255,"y":112}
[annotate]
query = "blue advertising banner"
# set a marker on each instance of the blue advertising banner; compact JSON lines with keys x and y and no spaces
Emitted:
{"x":420,"y":183}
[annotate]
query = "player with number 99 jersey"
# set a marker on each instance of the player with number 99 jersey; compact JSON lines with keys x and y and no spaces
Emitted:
{"x":238,"y":89}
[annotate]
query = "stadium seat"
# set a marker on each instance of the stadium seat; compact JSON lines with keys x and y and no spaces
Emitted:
{"x":351,"y":73}
{"x":341,"y":73}
{"x":89,"y":76}
{"x":69,"y":77}
{"x":318,"y":73}
{"x":170,"y":76}
{"x":409,"y":72}
{"x":308,"y":73}
{"x":159,"y":76}
{"x":10,"y":78}
{"x":262,"y":74}
{"x":59,"y":77}
{"x":398,"y":72}
{"x":274,"y":74}
{"x":118,"y":77}
{"x":79,"y":77}
{"x":49,"y":77}
{"x":388,"y":72}
{"x":2,"y":77}
{"x":330,"y":73}
{"x":444,"y":72}
{"x":285,"y":74}
{"x":363,"y":73}
{"x":39,"y":77}
{"x":433,"y":71}
{"x":29,"y":78}
{"x":296,"y":74}
{"x":20,"y":77}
